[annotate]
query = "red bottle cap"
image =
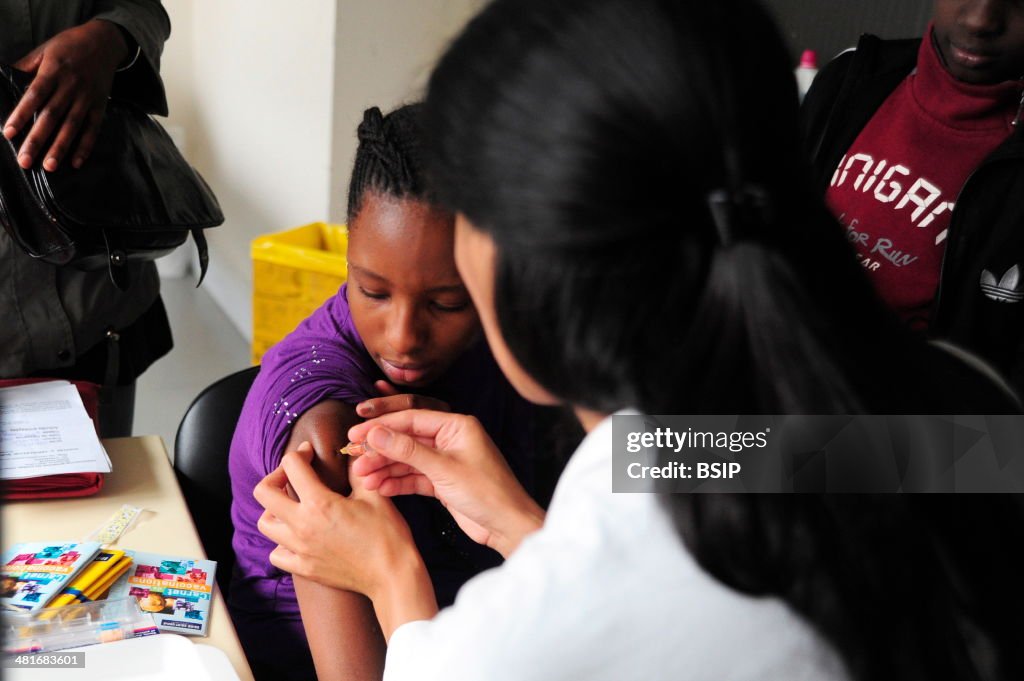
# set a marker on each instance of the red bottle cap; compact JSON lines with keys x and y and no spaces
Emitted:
{"x":809,"y":59}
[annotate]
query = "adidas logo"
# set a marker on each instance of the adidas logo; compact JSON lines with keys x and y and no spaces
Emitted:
{"x":1009,"y":289}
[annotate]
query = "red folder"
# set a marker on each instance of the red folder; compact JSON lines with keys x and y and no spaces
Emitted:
{"x":68,"y":484}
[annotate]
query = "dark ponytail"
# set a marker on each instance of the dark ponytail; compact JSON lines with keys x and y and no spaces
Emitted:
{"x":753,"y":294}
{"x":907,"y":586}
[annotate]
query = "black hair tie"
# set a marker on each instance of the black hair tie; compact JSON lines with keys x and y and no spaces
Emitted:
{"x":734,"y":210}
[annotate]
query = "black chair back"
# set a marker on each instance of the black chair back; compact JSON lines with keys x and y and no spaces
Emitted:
{"x":201,"y":464}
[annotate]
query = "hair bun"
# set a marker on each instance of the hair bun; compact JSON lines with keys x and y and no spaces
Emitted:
{"x":372,"y":128}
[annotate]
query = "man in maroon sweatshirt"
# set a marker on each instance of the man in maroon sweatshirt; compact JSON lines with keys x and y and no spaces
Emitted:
{"x":919,"y":151}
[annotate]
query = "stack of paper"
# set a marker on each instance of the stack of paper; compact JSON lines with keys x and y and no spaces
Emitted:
{"x":45,"y":430}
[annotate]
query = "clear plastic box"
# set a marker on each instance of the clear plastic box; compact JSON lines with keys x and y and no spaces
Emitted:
{"x":74,"y":626}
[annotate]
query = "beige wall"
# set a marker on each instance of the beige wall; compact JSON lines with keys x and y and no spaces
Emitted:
{"x":177,"y":67}
{"x":269,"y":95}
{"x":383,"y":53}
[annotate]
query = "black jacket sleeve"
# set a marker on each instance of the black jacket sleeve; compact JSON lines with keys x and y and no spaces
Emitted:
{"x":819,"y":102}
{"x":148,"y":24}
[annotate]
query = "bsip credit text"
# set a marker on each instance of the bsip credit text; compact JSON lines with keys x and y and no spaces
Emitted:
{"x":677,"y":440}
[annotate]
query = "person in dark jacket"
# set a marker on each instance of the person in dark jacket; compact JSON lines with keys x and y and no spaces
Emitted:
{"x":918,"y":147}
{"x":60,"y":322}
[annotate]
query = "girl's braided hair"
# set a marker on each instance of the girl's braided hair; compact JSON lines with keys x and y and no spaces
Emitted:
{"x":389,"y":158}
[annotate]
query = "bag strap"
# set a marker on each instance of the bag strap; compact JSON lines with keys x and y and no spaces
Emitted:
{"x":113,"y":369}
{"x":117,"y":260}
{"x":204,"y":255}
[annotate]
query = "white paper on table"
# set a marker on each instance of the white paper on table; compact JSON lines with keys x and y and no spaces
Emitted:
{"x":45,"y":430}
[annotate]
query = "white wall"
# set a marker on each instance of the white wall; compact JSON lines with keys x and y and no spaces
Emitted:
{"x":177,"y":68}
{"x":270,"y":93}
{"x":383,"y":54}
{"x":254,"y":89}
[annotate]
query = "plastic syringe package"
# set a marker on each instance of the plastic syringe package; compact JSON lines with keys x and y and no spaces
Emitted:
{"x":74,"y":626}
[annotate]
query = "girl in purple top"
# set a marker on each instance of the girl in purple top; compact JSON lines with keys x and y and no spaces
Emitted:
{"x":402,"y":324}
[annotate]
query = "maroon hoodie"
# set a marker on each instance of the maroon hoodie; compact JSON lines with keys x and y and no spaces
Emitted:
{"x":896,"y":187}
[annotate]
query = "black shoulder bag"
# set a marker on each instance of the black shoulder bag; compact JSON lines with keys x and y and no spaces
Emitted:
{"x":134,"y":199}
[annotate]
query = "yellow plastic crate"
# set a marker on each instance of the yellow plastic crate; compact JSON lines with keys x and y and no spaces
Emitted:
{"x":293,"y":273}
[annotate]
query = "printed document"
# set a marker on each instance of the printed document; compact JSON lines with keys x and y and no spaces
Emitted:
{"x":45,"y":430}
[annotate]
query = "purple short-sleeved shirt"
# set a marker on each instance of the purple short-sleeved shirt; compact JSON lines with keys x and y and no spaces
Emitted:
{"x":324,"y":358}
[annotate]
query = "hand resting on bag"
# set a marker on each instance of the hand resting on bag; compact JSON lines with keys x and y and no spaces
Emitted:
{"x":73,"y":73}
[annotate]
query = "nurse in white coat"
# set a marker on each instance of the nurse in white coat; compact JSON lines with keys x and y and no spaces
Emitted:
{"x":636,"y":232}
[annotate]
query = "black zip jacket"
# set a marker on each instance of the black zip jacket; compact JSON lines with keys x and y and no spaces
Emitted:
{"x":980,"y":301}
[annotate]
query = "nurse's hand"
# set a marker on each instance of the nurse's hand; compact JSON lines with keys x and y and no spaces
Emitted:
{"x":359,"y":543}
{"x":449,"y":457}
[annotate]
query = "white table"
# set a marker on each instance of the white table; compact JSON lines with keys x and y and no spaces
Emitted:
{"x":142,"y":476}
